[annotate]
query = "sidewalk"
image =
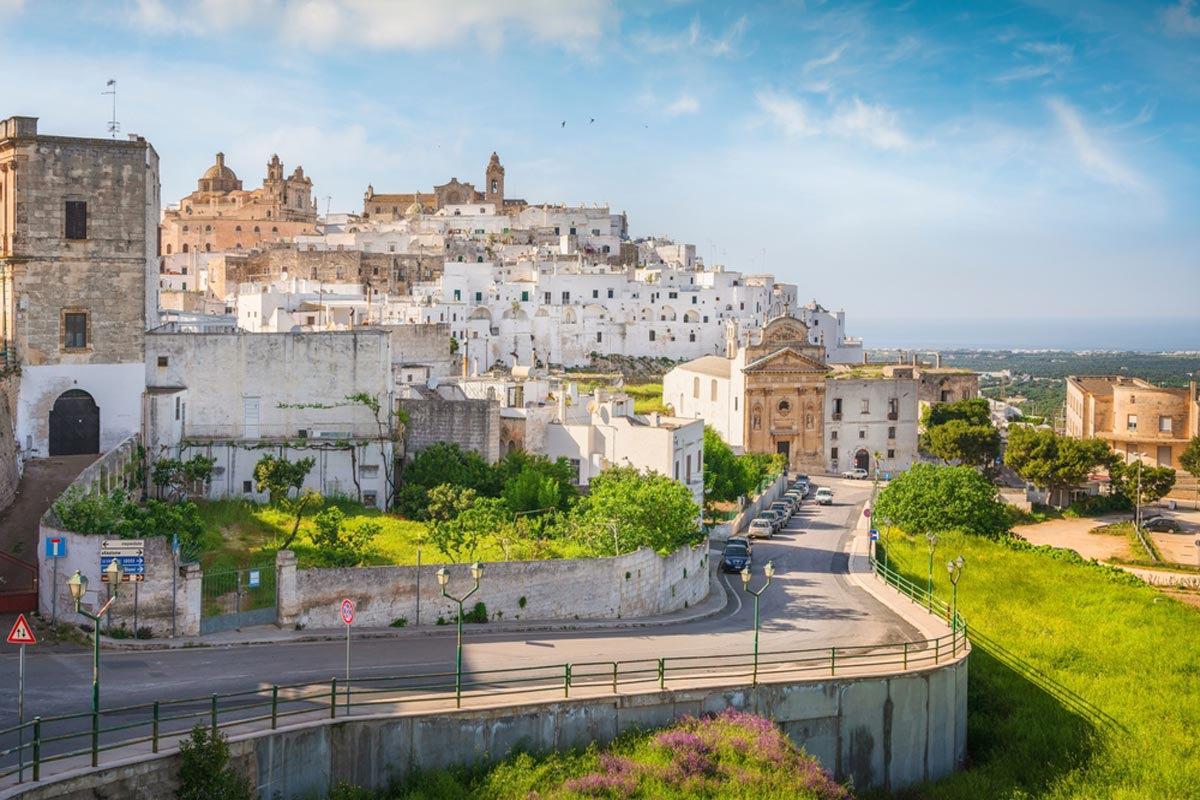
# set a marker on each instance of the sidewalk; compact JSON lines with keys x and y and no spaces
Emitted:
{"x":712,"y":605}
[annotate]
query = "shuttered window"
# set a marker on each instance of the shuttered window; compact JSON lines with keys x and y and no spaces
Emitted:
{"x":76,"y":331}
{"x":76,"y":213}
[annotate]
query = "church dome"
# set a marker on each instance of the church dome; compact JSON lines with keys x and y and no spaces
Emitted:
{"x":219,"y":178}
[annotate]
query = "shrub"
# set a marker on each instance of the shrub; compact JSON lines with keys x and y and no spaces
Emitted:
{"x":204,"y":771}
{"x":478,"y":614}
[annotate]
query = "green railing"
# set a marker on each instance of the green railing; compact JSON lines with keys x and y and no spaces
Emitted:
{"x":46,"y":741}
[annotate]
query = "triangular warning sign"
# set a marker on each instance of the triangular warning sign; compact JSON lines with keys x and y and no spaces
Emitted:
{"x":21,"y":632}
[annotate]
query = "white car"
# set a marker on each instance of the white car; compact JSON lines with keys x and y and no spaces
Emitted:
{"x":761,"y":527}
{"x":824,"y":496}
{"x":856,"y":474}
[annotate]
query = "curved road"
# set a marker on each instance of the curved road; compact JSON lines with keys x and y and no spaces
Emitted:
{"x":810,"y":603}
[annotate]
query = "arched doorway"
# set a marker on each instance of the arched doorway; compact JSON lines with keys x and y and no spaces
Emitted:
{"x":74,"y":425}
{"x":862,"y":460}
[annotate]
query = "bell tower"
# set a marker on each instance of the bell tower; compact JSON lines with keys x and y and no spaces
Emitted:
{"x":494,"y":185}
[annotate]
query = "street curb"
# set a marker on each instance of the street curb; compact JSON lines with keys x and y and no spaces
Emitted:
{"x":715,"y":603}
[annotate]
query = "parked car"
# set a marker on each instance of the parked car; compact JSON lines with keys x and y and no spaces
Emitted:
{"x":783,"y":508}
{"x":741,"y":539}
{"x":797,"y":501}
{"x":1160,"y":524}
{"x":775,"y":517}
{"x":735,"y":557}
{"x":824,"y":496}
{"x":801,"y":485}
{"x":856,"y":474}
{"x":761,"y":528}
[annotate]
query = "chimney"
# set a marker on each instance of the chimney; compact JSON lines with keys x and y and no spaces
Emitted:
{"x":937,"y":360}
{"x":914,"y":358}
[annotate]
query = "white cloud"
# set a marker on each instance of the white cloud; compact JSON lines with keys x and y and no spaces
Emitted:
{"x":1093,"y":154}
{"x":1181,"y":19}
{"x":388,"y":24}
{"x":684,"y":104}
{"x":824,"y":61}
{"x":874,"y":125}
{"x":11,"y":5}
{"x":694,"y":39}
{"x":1050,"y":58}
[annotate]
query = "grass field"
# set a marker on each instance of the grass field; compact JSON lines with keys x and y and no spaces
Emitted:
{"x":238,"y":532}
{"x":1126,"y":648}
{"x":647,"y":397}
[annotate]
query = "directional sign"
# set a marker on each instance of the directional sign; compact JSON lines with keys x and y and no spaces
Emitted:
{"x":122,"y":547}
{"x":133,"y":568}
{"x":21,"y":633}
{"x":874,"y":535}
{"x":347,"y":611}
{"x":56,"y":547}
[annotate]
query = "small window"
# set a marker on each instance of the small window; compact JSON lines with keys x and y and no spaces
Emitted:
{"x":595,"y":294}
{"x":75,"y":325}
{"x":598,"y":336}
{"x":162,"y":362}
{"x":866,"y":406}
{"x":892,"y":432}
{"x":862,"y":433}
{"x":652,"y":336}
{"x":713,"y":390}
{"x":176,"y":408}
{"x":891,"y":454}
{"x":833,"y":435}
{"x":1131,"y":422}
{"x":692,"y":336}
{"x":247,"y":486}
{"x":370,"y":499}
{"x":610,"y":294}
{"x":566,"y":298}
{"x":76,"y":219}
{"x":833,"y":454}
{"x":696,"y":388}
{"x":1164,"y":424}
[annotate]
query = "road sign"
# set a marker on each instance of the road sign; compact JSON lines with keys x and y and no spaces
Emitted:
{"x":56,"y":547}
{"x":874,"y":535}
{"x":867,"y":511}
{"x":21,"y":633}
{"x":254,"y":579}
{"x":123,"y":547}
{"x":347,"y":611}
{"x":131,"y":565}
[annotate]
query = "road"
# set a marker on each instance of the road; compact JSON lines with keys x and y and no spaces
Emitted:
{"x":810,"y":603}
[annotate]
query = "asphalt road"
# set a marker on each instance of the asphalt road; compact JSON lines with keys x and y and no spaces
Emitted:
{"x":810,"y":603}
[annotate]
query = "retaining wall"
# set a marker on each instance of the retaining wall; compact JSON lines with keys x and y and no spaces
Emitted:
{"x":638,"y":584}
{"x":885,"y":732}
{"x":10,"y":454}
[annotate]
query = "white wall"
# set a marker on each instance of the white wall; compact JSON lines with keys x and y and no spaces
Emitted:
{"x":857,"y":431}
{"x":116,"y":388}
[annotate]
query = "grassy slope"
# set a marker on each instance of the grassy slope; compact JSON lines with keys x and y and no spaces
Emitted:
{"x":1127,"y":649}
{"x":239,"y":532}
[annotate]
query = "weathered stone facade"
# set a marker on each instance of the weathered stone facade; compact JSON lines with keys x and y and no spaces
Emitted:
{"x":785,"y":394}
{"x":452,"y":193}
{"x":471,"y":424}
{"x":394,"y":273}
{"x":220,"y":215}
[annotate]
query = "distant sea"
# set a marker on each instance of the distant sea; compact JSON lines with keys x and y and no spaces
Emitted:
{"x":1101,"y":333}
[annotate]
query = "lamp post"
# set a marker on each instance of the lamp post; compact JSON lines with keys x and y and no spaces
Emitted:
{"x":932,"y":540}
{"x":769,"y":571}
{"x":955,"y":569}
{"x":1137,"y":507}
{"x":78,"y":586}
{"x":443,"y":578}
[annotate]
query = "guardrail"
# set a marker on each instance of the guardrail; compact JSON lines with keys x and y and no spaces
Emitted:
{"x":49,"y":741}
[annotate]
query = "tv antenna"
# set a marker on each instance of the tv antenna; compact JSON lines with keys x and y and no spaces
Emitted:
{"x":114,"y":127}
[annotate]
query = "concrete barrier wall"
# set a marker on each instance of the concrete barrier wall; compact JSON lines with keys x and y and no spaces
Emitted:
{"x":769,"y":495}
{"x":887,"y":732}
{"x":639,"y":584}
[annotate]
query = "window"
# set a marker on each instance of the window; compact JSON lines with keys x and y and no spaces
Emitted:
{"x":598,"y":335}
{"x":833,"y":454}
{"x":208,"y":247}
{"x":458,"y":294}
{"x":1164,"y":424}
{"x":566,"y":298}
{"x":892,"y":432}
{"x":237,"y":228}
{"x":247,"y":486}
{"x":76,"y":219}
{"x":652,"y":336}
{"x":75,"y":330}
{"x":183,"y":271}
{"x":784,"y":407}
{"x":837,"y":406}
{"x":185,"y":247}
{"x":893,"y":408}
{"x":177,"y":408}
{"x":546,"y":298}
{"x":572,"y":231}
{"x":891,"y":454}
{"x":370,"y":499}
{"x":833,"y":435}
{"x":696,"y":387}
{"x":595,"y":294}
{"x":479,"y":297}
{"x":595,"y":231}
{"x":713,"y":390}
{"x":735,"y":402}
{"x":866,"y":406}
{"x":208,"y":228}
{"x":689,"y":468}
{"x":694,"y":299}
{"x":524,"y":297}
{"x":862,"y":433}
{"x":1131,"y":422}
{"x":673,"y":295}
{"x":610,"y":294}
{"x":692,"y":336}
{"x":575,"y":464}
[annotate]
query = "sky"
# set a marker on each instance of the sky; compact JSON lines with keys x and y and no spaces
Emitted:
{"x":916,"y":163}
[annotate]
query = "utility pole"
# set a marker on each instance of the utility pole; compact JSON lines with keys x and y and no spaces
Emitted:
{"x":114,"y":127}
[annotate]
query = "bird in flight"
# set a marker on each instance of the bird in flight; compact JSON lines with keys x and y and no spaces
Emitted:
{"x":590,"y":121}
{"x":564,"y":124}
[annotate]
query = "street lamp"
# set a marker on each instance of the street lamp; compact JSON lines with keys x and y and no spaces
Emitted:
{"x":955,"y":569}
{"x":443,"y":579}
{"x":932,"y":540}
{"x":78,"y":586}
{"x":1137,"y":508}
{"x":769,"y":571}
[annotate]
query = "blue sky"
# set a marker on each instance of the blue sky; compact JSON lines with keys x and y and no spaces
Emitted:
{"x":904,"y":160}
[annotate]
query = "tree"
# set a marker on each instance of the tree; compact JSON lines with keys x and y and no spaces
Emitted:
{"x":530,"y":481}
{"x":930,"y":498}
{"x":723,"y":478}
{"x":339,"y":545}
{"x":626,"y":509}
{"x":1154,"y":483}
{"x":1190,"y":461}
{"x":442,"y":463}
{"x":972,"y":412}
{"x":277,"y":477}
{"x":463,"y":520}
{"x":181,"y":477}
{"x":959,"y":440}
{"x":1053,"y":462}
{"x":204,"y":771}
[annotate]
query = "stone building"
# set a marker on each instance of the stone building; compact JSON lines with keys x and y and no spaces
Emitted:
{"x":221,"y":215}
{"x":383,"y":207}
{"x":78,"y":282}
{"x":871,"y":422}
{"x":1134,"y":416}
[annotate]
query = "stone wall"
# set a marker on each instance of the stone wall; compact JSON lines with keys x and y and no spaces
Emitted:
{"x":637,"y":584}
{"x":887,"y":732}
{"x":391,"y":272}
{"x":471,"y":424}
{"x":10,"y":457}
{"x":427,"y":345}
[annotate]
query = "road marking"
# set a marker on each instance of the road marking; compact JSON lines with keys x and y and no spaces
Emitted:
{"x":736,"y":597}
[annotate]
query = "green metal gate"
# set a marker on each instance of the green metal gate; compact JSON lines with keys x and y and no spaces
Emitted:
{"x":237,"y":598}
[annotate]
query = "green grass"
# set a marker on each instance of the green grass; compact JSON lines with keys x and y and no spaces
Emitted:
{"x":1125,"y":647}
{"x":647,"y":398}
{"x":239,"y":532}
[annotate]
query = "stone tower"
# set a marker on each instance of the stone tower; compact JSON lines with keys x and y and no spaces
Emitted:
{"x":495,"y":181}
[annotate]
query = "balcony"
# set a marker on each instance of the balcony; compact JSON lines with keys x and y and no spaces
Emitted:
{"x":893,"y":415}
{"x":837,"y":416}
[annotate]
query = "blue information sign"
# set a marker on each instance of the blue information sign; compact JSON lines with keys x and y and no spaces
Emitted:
{"x":131,"y":565}
{"x":56,"y":547}
{"x":254,"y":579}
{"x":874,"y":535}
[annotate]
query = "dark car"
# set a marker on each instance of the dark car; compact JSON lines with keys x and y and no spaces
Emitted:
{"x":735,"y":557}
{"x":1160,"y":525}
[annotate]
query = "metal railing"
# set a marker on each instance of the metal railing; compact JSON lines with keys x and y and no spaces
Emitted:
{"x":51,"y":741}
